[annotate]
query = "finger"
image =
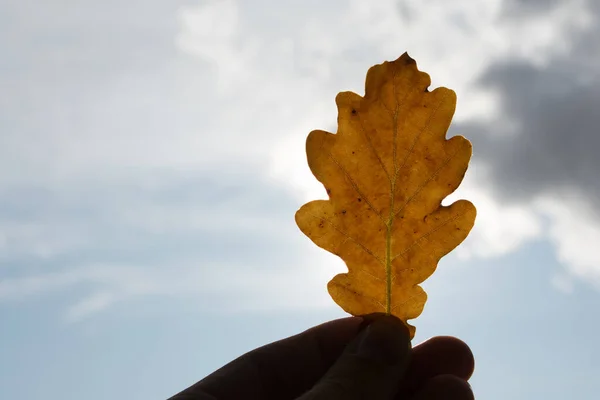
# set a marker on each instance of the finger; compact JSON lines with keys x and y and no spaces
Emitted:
{"x":281,"y":370}
{"x":441,"y":355}
{"x":370,"y":367}
{"x":287,"y":368}
{"x":445,"y":387}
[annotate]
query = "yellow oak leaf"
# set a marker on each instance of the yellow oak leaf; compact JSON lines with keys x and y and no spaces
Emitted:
{"x":386,"y":172}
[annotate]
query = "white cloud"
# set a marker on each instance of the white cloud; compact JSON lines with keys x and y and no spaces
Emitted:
{"x":43,"y":239}
{"x":212,"y":31}
{"x":575,"y":232}
{"x":92,"y":304}
{"x":499,"y":229}
{"x":563,"y":283}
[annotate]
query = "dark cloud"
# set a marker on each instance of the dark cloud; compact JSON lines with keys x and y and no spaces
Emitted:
{"x":547,"y":137}
{"x":524,"y":8}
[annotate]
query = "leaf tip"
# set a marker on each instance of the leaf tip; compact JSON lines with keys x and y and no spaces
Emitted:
{"x":406,"y":59}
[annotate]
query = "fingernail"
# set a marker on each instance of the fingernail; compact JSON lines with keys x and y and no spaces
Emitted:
{"x":385,"y":340}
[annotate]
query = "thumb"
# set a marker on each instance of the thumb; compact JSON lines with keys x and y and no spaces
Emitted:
{"x":370,"y":367}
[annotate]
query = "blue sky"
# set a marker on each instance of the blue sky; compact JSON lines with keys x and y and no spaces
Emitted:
{"x":152,"y":159}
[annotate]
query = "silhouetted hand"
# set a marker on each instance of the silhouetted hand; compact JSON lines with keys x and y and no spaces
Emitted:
{"x":351,"y":358}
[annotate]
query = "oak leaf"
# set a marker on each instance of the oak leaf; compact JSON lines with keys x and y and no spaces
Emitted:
{"x":386,"y":172}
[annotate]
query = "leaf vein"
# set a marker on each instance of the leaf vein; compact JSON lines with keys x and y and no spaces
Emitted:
{"x":372,"y":147}
{"x":356,"y":188}
{"x":362,"y":294}
{"x":426,"y":235}
{"x":356,"y":241}
{"x":424,"y":184}
{"x":418,"y":136}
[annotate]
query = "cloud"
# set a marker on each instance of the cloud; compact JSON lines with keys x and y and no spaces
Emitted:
{"x":209,"y":239}
{"x":103,"y":91}
{"x":154,"y":150}
{"x":554,"y":119}
{"x":92,"y":304}
{"x":530,"y":83}
{"x":212,"y":31}
{"x":500,"y":228}
{"x":214,"y":288}
{"x":540,"y":148}
{"x":135,"y":179}
{"x":563,"y":283}
{"x":474,"y":40}
{"x":575,"y":235}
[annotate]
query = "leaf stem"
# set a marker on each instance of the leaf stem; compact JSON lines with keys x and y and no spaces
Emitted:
{"x":388,"y":250}
{"x":388,"y":268}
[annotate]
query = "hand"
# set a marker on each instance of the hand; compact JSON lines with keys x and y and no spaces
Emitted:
{"x":351,"y":358}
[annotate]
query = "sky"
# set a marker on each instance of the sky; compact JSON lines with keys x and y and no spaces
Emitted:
{"x":152,"y":159}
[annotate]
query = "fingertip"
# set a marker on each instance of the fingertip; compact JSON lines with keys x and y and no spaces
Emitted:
{"x":457,"y":358}
{"x":445,"y":387}
{"x":347,"y":326}
{"x":385,"y":340}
